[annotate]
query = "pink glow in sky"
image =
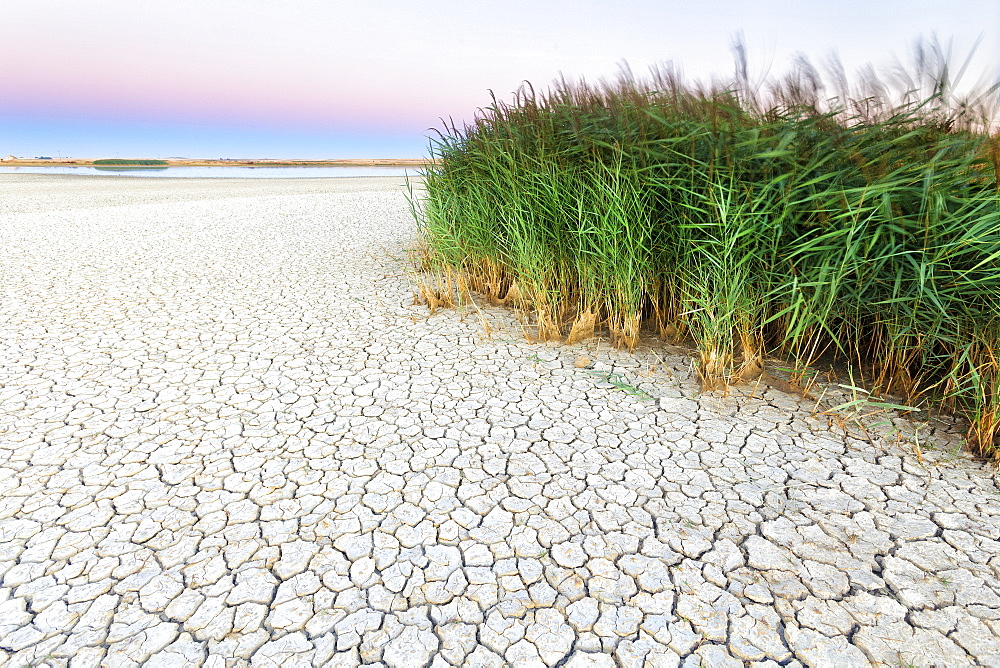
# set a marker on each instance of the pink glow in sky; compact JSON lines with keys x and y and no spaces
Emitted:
{"x":331,"y":78}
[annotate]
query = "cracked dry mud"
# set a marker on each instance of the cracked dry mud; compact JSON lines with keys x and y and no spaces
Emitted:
{"x":228,"y":437}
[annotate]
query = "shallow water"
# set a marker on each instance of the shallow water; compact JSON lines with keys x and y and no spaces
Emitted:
{"x":221,"y":172}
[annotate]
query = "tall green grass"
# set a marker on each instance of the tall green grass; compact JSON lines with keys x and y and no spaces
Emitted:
{"x":862,"y":223}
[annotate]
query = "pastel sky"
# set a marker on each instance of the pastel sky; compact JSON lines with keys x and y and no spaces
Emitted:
{"x":343,"y":79}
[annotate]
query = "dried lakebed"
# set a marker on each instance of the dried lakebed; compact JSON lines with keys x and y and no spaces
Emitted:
{"x":228,"y":437}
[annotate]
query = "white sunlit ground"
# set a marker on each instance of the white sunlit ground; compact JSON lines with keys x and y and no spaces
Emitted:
{"x":229,"y":437}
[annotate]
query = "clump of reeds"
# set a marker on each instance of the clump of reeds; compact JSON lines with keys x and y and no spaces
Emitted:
{"x":795,"y":217}
{"x":130,"y":162}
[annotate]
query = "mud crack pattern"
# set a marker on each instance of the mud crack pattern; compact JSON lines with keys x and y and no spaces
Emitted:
{"x":229,"y":438}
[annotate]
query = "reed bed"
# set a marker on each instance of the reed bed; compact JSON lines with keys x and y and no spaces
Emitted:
{"x":130,"y":162}
{"x":779,"y":219}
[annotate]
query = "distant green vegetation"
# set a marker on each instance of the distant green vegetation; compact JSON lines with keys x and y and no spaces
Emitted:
{"x":126,"y":162}
{"x":863,"y":224}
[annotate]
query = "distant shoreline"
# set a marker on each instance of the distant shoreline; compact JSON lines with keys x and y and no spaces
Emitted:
{"x":370,"y":162}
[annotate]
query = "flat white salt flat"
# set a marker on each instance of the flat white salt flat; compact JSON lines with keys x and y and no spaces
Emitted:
{"x":229,"y":437}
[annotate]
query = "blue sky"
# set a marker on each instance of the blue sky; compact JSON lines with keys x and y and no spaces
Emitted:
{"x":340,"y":79}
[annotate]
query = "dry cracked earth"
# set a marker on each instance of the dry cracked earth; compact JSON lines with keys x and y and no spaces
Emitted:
{"x":228,"y":437}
